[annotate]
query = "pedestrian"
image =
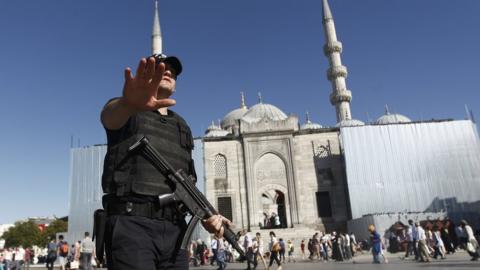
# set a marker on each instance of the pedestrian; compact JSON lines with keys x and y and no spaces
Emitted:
{"x":316,"y":246}
{"x":376,"y":243}
{"x":248,"y":247}
{"x":439,"y":246}
{"x":221,"y":261}
{"x":135,"y":220}
{"x":283,"y":249}
{"x":302,"y":248}
{"x":274,"y":247}
{"x":422,"y":243}
{"x":258,"y":250}
{"x":87,"y":252}
{"x":27,"y":258}
{"x":290,"y":251}
{"x":213,"y":247}
{"x":51,"y":254}
{"x":409,"y":239}
{"x":471,"y":243}
{"x":62,"y":251}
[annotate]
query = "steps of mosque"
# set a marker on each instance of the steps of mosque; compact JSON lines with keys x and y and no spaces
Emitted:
{"x":296,"y":235}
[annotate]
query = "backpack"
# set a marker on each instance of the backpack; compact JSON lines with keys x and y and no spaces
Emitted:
{"x":64,"y":249}
{"x":276,"y":247}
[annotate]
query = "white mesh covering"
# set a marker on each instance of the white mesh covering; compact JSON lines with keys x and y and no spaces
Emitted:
{"x":86,"y":167}
{"x":413,"y":167}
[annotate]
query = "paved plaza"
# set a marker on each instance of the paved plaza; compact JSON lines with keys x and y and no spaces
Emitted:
{"x":458,"y":261}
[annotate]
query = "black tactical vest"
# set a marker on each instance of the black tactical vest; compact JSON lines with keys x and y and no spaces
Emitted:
{"x":170,"y":135}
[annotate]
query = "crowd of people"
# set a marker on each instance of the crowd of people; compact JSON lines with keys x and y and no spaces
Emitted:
{"x":57,"y":253}
{"x":421,"y":241}
{"x":274,"y":250}
{"x":429,"y":239}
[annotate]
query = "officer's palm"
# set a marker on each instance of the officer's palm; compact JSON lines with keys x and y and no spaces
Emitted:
{"x":140,"y":92}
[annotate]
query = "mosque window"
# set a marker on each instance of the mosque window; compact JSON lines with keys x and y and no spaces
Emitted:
{"x":225,"y":207}
{"x":220,"y":166}
{"x":324,"y":206}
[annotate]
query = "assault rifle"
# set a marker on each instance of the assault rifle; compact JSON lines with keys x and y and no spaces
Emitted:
{"x":186,"y":193}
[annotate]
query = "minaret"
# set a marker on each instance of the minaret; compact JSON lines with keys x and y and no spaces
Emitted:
{"x":337,"y":73}
{"x":243,"y":105}
{"x":156,"y":33}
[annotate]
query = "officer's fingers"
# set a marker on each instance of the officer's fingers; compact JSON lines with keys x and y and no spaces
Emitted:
{"x":165,"y":102}
{"x":218,"y":223}
{"x":227,"y":221}
{"x":128,"y":74}
{"x":159,"y":70}
{"x":141,"y":68}
{"x":220,"y":232}
{"x":149,"y":68}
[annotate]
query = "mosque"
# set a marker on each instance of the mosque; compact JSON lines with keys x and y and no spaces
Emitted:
{"x":259,"y":162}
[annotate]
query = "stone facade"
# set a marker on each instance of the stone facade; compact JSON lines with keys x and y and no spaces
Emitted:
{"x":273,"y":167}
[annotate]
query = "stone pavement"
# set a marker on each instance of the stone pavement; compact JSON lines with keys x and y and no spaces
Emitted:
{"x":458,"y":261}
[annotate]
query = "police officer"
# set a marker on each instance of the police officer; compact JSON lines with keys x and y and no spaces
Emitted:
{"x":140,"y":234}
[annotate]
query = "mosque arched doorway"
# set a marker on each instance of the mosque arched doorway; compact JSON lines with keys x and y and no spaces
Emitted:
{"x":274,"y":209}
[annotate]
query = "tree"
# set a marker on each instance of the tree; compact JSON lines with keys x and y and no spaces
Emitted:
{"x":24,"y":233}
{"x":50,"y":232}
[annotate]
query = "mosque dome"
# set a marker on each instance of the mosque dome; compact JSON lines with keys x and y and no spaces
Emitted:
{"x":350,"y":123}
{"x":215,"y":131}
{"x":309,"y":124}
{"x":231,"y":118}
{"x":262,"y":110}
{"x":392,"y":118}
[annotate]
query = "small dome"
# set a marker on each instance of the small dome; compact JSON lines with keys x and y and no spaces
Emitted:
{"x":261,"y":110}
{"x":215,"y":131}
{"x":231,"y":118}
{"x":350,"y":123}
{"x":309,"y":124}
{"x":393,"y":118}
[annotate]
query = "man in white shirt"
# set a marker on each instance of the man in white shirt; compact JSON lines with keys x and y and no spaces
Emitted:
{"x":422,"y":243}
{"x":248,"y":247}
{"x":409,"y":238}
{"x":87,"y":252}
{"x":472,"y":244}
{"x":213,"y":246}
{"x":414,"y":238}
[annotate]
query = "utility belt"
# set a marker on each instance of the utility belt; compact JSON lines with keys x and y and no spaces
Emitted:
{"x":133,"y":207}
{"x":143,"y":206}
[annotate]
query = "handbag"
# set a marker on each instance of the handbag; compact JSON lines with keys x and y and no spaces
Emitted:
{"x":470,"y":247}
{"x":74,"y":265}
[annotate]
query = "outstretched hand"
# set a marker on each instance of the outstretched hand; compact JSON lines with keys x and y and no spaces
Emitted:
{"x":215,"y":223}
{"x":140,"y":93}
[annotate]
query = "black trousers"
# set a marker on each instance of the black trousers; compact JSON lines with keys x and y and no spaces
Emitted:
{"x":274,"y":257}
{"x":134,"y":242}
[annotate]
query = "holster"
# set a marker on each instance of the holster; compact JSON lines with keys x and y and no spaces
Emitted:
{"x":99,"y":223}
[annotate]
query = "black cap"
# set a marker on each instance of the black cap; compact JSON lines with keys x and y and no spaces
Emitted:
{"x":172,"y":61}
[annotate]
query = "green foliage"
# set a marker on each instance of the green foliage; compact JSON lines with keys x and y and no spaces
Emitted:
{"x":50,"y":232}
{"x":27,"y":233}
{"x":24,"y":234}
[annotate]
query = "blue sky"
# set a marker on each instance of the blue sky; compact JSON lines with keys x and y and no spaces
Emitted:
{"x":61,"y":60}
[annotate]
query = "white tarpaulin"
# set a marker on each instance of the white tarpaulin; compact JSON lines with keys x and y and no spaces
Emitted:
{"x":413,"y":167}
{"x":86,"y":168}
